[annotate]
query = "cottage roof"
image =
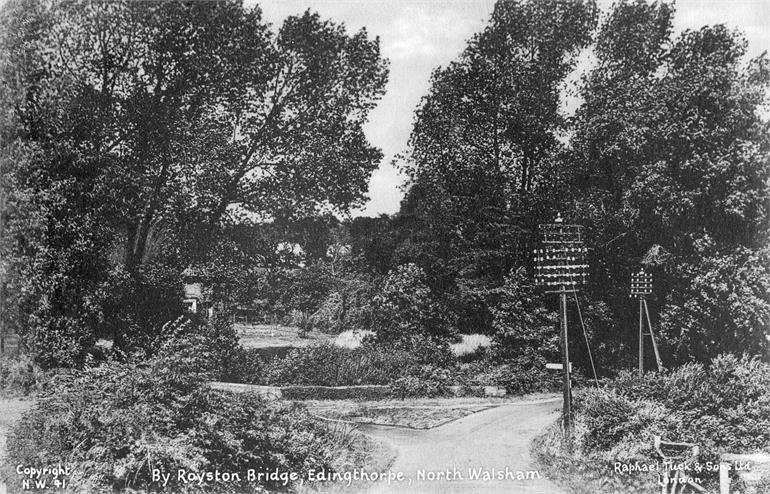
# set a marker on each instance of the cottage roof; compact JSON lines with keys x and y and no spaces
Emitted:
{"x":193,"y":273}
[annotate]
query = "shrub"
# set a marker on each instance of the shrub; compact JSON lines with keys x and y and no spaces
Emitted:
{"x":299,"y":319}
{"x":525,"y":339}
{"x":137,"y":305}
{"x":329,"y":315}
{"x":406,"y":307}
{"x":522,"y":324}
{"x":347,"y":307}
{"x":329,"y":365}
{"x":609,"y":419}
{"x":20,"y":376}
{"x":517,"y":376}
{"x":426,"y":350}
{"x":725,"y":404}
{"x":206,"y":348}
{"x":423,"y":381}
{"x":247,"y":366}
{"x":116,"y":422}
{"x":352,"y":338}
{"x":723,"y":407}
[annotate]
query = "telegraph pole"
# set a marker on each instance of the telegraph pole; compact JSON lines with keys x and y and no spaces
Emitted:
{"x":566,"y":384}
{"x":641,"y":286}
{"x":561,"y":268}
{"x":641,"y":336}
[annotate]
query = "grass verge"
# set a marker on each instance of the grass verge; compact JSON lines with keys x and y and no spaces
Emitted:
{"x":415,"y":413}
{"x":580,"y":474}
{"x":357,"y":451}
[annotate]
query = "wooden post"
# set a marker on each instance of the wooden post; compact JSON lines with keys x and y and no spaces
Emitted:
{"x":641,"y":336}
{"x":724,"y":477}
{"x":652,"y":336}
{"x":567,"y":407}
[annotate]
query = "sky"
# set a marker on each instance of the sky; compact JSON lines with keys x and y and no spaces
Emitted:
{"x":417,"y":36}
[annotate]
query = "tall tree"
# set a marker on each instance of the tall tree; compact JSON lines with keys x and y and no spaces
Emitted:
{"x":160,"y":117}
{"x":671,"y":152}
{"x":482,"y":151}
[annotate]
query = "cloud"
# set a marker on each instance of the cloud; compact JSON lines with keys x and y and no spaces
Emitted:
{"x":384,"y":189}
{"x":421,"y":30}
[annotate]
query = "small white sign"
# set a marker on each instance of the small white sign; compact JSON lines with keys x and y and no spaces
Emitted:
{"x":558,"y":366}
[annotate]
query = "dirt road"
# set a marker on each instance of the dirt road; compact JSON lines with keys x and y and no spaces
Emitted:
{"x":484,"y":452}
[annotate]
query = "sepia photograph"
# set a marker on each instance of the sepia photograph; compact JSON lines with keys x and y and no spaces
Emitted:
{"x":385,"y":246}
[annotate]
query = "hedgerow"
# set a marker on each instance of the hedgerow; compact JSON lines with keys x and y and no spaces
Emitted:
{"x":115,"y":423}
{"x":330,"y":365}
{"x":722,"y":407}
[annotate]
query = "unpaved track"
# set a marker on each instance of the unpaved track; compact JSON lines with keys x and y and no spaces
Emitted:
{"x":496,"y":438}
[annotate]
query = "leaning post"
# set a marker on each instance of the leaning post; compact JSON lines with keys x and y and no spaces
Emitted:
{"x":641,"y":286}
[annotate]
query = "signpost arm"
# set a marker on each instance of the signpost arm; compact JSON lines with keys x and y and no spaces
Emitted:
{"x":567,"y":408}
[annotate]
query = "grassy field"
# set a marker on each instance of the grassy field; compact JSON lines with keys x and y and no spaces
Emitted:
{"x":276,"y":335}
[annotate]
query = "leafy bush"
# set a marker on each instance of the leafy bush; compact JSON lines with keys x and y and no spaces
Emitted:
{"x":721,"y":303}
{"x":522,"y":324}
{"x":610,"y":419}
{"x":116,"y":422}
{"x":426,"y":350}
{"x":347,"y":307}
{"x":425,"y":380}
{"x":723,"y":407}
{"x":298,"y":319}
{"x":406,"y":306}
{"x":246,"y":367}
{"x":352,"y":338}
{"x":205,"y":348}
{"x":20,"y":376}
{"x":135,"y":306}
{"x":517,"y":377}
{"x":329,"y":365}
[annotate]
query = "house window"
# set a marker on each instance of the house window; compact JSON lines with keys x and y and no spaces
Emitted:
{"x":191,"y":304}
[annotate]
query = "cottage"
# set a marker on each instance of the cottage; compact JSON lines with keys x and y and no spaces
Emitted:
{"x":198,"y":291}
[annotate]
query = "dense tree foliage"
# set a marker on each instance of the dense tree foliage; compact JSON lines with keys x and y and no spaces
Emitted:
{"x":483,"y":149}
{"x":669,"y":151}
{"x":665,"y":161}
{"x":141,"y":137}
{"x":144,"y":125}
